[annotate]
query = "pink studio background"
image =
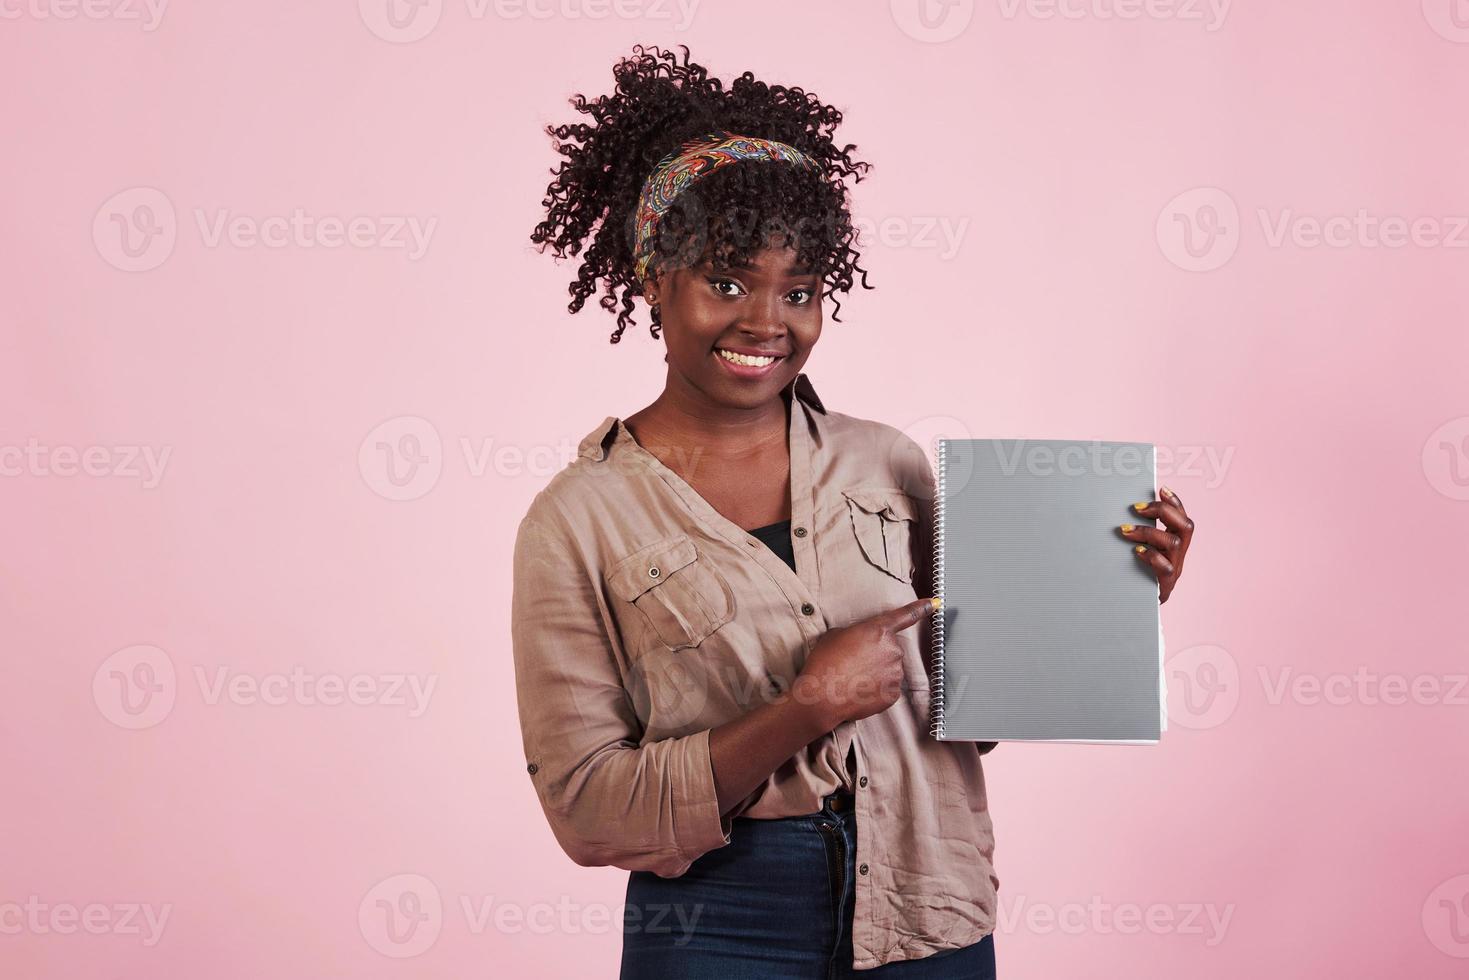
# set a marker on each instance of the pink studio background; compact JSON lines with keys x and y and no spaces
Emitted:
{"x":1095,"y":226}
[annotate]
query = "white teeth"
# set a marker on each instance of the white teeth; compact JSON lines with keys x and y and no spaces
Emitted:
{"x":744,"y":358}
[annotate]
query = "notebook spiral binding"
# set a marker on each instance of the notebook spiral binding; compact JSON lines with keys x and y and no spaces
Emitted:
{"x":936,"y":621}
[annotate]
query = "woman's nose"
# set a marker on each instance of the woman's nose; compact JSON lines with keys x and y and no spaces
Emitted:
{"x":764,"y":319}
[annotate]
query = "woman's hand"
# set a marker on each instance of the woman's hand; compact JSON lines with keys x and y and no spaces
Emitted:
{"x":1163,"y":548}
{"x":857,"y":670}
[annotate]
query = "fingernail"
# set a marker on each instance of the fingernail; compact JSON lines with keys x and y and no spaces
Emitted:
{"x":937,"y":602}
{"x":1140,"y":505}
{"x":1139,"y":549}
{"x":1166,"y":491}
{"x":1127,"y":529}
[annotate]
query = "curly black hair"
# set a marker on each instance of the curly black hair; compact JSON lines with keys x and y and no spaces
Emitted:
{"x":658,"y":105}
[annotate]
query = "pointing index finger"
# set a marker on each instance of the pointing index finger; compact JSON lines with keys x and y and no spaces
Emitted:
{"x":899,"y":619}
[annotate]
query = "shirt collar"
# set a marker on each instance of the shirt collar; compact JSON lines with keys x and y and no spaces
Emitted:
{"x":594,"y":444}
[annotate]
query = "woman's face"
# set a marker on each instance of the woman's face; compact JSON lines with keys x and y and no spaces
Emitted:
{"x":768,"y":309}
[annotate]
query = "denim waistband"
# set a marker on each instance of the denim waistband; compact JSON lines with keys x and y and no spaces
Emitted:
{"x":838,"y":803}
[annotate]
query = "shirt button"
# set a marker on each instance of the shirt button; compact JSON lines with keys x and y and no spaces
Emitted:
{"x":532,"y":768}
{"x":862,"y":781}
{"x":800,"y":532}
{"x":807,"y":609}
{"x":862,"y":870}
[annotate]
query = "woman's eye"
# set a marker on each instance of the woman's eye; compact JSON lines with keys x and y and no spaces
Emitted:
{"x":796,"y":292}
{"x":717,"y":283}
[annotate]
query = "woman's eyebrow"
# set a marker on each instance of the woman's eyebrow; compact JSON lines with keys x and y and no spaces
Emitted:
{"x":788,"y":274}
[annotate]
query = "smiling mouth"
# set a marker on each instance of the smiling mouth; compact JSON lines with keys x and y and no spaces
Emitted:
{"x":746,"y":360}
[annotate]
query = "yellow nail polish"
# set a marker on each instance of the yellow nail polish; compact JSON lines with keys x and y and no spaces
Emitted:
{"x":1139,"y":549}
{"x":1140,"y":505}
{"x":937,"y":602}
{"x":1127,"y":529}
{"x":1165,"y":491}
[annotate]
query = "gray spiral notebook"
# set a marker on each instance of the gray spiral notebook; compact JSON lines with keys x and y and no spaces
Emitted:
{"x":1049,"y":629}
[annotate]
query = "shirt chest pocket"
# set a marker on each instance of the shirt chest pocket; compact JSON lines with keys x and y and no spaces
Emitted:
{"x":883,"y":520}
{"x":680,"y":595}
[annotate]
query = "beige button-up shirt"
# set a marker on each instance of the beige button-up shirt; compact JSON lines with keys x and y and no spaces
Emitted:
{"x":642,"y":618}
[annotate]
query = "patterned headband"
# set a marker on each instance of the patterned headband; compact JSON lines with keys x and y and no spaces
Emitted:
{"x":697,"y":158}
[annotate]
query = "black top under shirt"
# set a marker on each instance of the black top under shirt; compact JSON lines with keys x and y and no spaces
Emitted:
{"x":777,"y":538}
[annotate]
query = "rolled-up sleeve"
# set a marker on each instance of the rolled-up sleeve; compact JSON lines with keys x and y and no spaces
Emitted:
{"x":608,"y":799}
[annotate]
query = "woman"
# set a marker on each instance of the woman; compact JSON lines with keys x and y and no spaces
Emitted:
{"x":717,"y":605}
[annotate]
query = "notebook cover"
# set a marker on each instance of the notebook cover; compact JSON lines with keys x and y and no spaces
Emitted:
{"x":1049,"y":629}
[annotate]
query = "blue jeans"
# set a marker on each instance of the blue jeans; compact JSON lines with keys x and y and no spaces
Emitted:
{"x":775,"y":903}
